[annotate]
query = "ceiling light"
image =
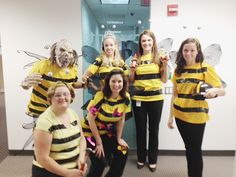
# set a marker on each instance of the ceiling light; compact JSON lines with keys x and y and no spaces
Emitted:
{"x":115,"y":22}
{"x":115,"y":1}
{"x":113,"y":26}
{"x":139,"y":22}
{"x":102,"y":26}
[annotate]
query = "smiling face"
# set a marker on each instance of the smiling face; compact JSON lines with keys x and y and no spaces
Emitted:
{"x":109,"y":47}
{"x":63,"y":54}
{"x":116,"y":83}
{"x":61,"y":98}
{"x":190,"y":53}
{"x":146,"y":44}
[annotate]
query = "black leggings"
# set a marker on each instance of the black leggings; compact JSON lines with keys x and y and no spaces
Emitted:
{"x":192,"y":135}
{"x":41,"y":172}
{"x":113,"y":157}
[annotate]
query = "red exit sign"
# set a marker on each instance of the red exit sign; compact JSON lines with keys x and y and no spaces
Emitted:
{"x":172,"y":10}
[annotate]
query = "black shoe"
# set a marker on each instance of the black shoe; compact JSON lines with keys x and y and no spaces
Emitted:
{"x":152,"y":169}
{"x":140,"y":165}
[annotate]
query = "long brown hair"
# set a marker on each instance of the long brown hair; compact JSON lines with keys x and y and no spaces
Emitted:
{"x":139,"y":53}
{"x":180,"y":61}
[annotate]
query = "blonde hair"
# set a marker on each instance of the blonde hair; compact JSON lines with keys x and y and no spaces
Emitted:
{"x":52,"y":89}
{"x":117,"y":57}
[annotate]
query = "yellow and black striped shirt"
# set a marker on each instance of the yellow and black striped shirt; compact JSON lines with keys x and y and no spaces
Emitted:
{"x":148,"y":77}
{"x":97,"y":68}
{"x":110,"y":111}
{"x":65,"y":143}
{"x":51,"y":73}
{"x":184,"y":106}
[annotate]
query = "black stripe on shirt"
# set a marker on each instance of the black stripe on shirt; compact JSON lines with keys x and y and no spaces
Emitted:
{"x":149,"y":93}
{"x":40,"y":95}
{"x":39,"y":104}
{"x":147,"y":76}
{"x":97,"y":63}
{"x":188,"y":80}
{"x":63,"y":161}
{"x":34,"y":111}
{"x":54,"y":79}
{"x":65,"y":140}
{"x":66,"y":150}
{"x":201,"y":70}
{"x":204,"y":110}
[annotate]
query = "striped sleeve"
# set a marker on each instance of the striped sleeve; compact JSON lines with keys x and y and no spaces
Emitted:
{"x":43,"y":124}
{"x":93,"y":68}
{"x":211,"y":77}
{"x":96,"y":101}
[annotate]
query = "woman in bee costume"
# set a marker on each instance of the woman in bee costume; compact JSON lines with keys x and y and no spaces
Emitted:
{"x":109,"y":59}
{"x":190,"y":109}
{"x":61,"y":66}
{"x":104,"y":124}
{"x":148,"y":71}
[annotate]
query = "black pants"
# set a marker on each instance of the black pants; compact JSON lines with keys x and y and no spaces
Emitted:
{"x":113,"y":157}
{"x":192,"y":135}
{"x":41,"y":172}
{"x":150,"y":111}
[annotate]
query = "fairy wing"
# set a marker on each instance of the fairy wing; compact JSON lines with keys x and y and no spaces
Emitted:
{"x":165,"y":44}
{"x":89,"y":53}
{"x":31,"y":54}
{"x":212,"y":54}
{"x":132,"y":46}
{"x":125,"y":53}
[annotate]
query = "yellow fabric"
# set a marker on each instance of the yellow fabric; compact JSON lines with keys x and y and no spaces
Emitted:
{"x":105,"y":116}
{"x":51,"y":73}
{"x":65,"y":143}
{"x":98,"y":68}
{"x":148,"y":84}
{"x":184,"y":85}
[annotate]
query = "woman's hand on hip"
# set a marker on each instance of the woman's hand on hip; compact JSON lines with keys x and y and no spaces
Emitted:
{"x":123,"y":143}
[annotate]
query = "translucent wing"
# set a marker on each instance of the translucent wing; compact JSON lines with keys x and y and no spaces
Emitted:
{"x":172,"y":57}
{"x":212,"y":54}
{"x":30,"y":54}
{"x":89,"y":53}
{"x":126,"y":53}
{"x":132,"y":46}
{"x":165,"y":44}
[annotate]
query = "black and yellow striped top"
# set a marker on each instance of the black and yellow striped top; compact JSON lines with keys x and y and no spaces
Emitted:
{"x":110,"y":111}
{"x":148,"y":77}
{"x":97,"y":68}
{"x":51,"y":73}
{"x":184,"y":106}
{"x":65,"y":143}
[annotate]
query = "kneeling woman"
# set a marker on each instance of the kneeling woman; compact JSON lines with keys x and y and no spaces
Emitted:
{"x":104,"y":126}
{"x":58,"y":138}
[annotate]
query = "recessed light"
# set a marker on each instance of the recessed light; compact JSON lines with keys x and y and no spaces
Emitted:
{"x":115,"y":1}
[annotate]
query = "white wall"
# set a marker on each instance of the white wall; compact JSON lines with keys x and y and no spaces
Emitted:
{"x":29,"y":25}
{"x":216,"y":19}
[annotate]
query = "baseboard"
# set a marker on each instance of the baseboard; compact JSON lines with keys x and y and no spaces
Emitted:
{"x":161,"y":152}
